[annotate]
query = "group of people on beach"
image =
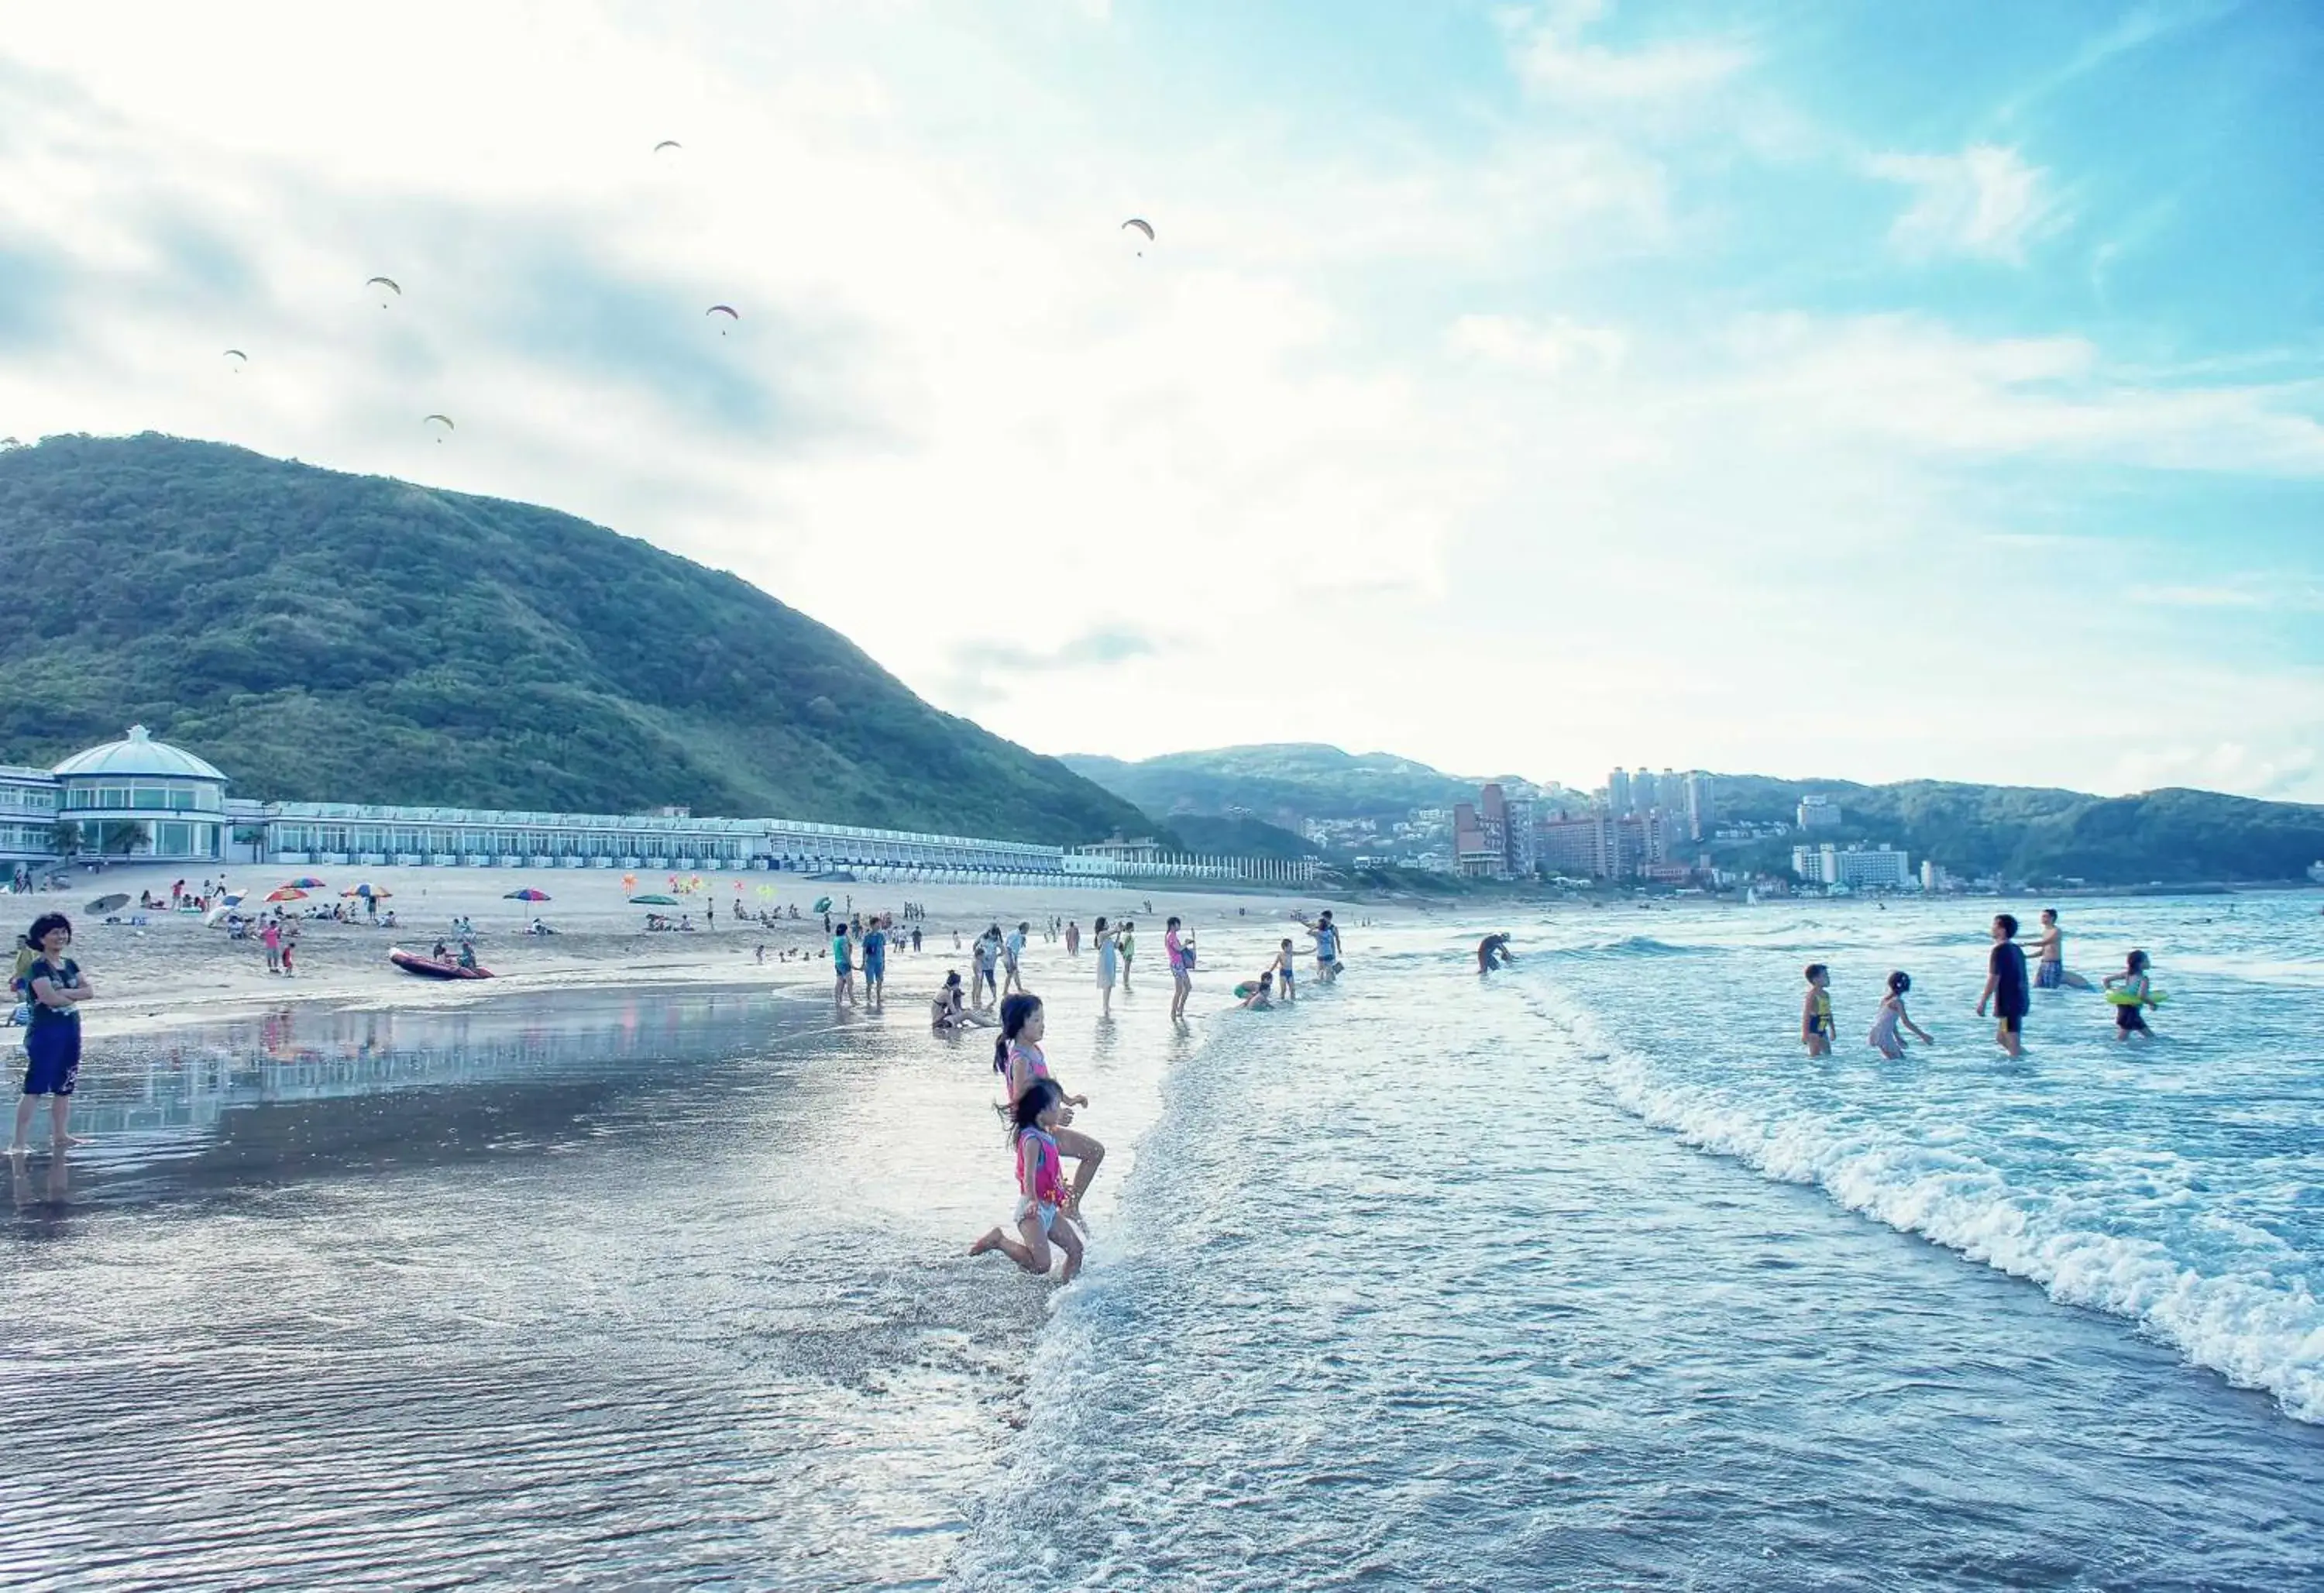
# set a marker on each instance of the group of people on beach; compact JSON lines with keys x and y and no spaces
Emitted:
{"x":2007,"y":994}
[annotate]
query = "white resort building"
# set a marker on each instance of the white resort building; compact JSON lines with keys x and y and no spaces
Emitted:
{"x":142,"y":799}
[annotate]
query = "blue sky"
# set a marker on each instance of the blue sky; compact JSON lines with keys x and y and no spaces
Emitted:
{"x":1867,"y":390}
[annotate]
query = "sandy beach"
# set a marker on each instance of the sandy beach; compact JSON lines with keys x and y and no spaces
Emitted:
{"x":172,"y":969}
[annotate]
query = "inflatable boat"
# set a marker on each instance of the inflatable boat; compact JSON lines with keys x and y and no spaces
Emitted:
{"x":429,"y":968}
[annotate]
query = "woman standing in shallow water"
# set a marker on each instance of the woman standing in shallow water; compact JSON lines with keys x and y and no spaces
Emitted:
{"x":1106,"y":961}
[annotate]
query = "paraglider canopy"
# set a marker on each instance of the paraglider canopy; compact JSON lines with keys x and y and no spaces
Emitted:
{"x":237,"y":354}
{"x":668,"y":143}
{"x":388,"y":282}
{"x":1145,"y":226}
{"x":728,"y":311}
{"x":445,"y":421}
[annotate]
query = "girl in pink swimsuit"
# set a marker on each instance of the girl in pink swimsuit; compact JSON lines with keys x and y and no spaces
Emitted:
{"x":1041,"y":1188}
{"x":1018,"y":1058}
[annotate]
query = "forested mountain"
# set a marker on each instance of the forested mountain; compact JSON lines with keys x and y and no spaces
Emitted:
{"x":338,"y":637}
{"x":1282,"y":783}
{"x":2173,"y":836}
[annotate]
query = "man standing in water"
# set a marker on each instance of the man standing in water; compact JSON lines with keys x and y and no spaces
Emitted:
{"x":2005,"y":984}
{"x":2049,"y":957}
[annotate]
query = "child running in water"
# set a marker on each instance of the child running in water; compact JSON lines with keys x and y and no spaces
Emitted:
{"x":1884,"y":1035}
{"x":2130,"y":1016}
{"x":1040,"y":1184}
{"x":1018,"y":1058}
{"x":1815,"y":1013}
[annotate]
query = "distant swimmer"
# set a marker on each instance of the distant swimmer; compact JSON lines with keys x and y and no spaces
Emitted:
{"x":2006,"y":988}
{"x":2132,"y":992}
{"x":1893,"y":1016}
{"x":1493,"y":951}
{"x":1041,"y":1187}
{"x":2049,"y":957}
{"x":1816,"y":1027}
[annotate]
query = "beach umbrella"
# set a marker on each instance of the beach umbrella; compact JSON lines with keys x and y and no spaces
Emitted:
{"x":653,"y":901}
{"x":526,"y":894}
{"x":232,"y":898}
{"x":822,"y":905}
{"x":369,"y":892}
{"x":287,"y":894}
{"x":306,"y":882}
{"x":107,"y":903}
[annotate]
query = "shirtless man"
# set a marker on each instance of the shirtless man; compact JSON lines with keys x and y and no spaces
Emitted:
{"x":2049,"y":957}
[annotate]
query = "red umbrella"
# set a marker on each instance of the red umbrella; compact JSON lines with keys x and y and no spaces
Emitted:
{"x":288,"y":893}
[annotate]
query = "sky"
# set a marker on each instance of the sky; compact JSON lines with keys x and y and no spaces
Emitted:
{"x":1874,"y":392}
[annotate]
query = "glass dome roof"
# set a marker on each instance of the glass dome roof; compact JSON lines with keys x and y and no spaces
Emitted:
{"x":140,"y":753}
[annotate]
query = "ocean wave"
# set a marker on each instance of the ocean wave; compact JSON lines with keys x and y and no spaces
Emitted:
{"x":2250,"y":1315}
{"x":1626,"y":946}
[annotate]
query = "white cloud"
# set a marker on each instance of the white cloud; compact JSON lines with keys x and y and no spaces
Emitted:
{"x":1356,"y":422}
{"x":1985,"y":202}
{"x":1545,"y":347}
{"x":1547,"y":47}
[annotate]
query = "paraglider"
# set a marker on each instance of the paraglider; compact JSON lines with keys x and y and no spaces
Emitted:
{"x":1135,"y":224}
{"x":239,"y":358}
{"x":446,"y":421}
{"x":388,"y":282}
{"x":668,"y":143}
{"x":728,"y":311}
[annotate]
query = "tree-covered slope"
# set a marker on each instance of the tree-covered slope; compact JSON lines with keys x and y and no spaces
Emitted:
{"x":1284,"y":783}
{"x":328,"y":636}
{"x":2172,"y":835}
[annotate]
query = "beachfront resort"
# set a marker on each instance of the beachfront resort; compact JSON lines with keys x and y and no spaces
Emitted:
{"x":143,"y":800}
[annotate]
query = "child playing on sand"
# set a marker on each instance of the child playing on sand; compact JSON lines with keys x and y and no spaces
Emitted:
{"x":2130,"y":1015}
{"x":53,"y":1039}
{"x":1884,"y":1036}
{"x":1040,"y":1185}
{"x":1815,"y":1013}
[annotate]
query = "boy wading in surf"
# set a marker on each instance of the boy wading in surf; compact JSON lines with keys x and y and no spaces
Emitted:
{"x":2006,"y":988}
{"x":1816,"y":1027}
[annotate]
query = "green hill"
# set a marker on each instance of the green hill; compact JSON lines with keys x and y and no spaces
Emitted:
{"x":335,"y":637}
{"x":1283,"y":783}
{"x":1240,"y":838}
{"x":2044,"y":836}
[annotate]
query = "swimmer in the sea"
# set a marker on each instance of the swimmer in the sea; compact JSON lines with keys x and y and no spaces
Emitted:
{"x":2130,"y":1016}
{"x":1884,"y":1036}
{"x":1493,"y":951}
{"x":1815,"y":1013}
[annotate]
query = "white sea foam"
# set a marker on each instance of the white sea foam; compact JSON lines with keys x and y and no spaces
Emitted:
{"x":2139,"y":1244}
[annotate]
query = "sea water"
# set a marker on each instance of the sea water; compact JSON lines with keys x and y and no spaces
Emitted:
{"x":1578,"y":1275}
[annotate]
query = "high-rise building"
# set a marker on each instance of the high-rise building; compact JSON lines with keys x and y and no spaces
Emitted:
{"x":1518,"y":832}
{"x":1819,"y":813}
{"x":1701,"y":804}
{"x":1617,"y":793}
{"x":1646,"y":792}
{"x":1578,"y":847}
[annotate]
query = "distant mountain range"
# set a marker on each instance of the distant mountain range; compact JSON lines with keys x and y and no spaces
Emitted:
{"x":350,"y":638}
{"x":1284,"y":783}
{"x":2018,"y":833}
